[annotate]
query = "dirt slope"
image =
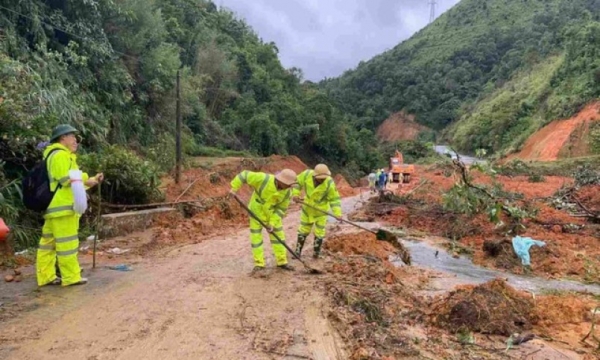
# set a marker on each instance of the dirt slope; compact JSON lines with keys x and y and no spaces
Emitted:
{"x":399,"y":126}
{"x":561,"y":138}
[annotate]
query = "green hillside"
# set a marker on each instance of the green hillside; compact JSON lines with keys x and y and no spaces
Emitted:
{"x":109,"y":68}
{"x":490,"y":68}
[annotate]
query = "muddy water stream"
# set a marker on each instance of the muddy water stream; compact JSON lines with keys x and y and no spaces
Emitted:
{"x":463,"y":269}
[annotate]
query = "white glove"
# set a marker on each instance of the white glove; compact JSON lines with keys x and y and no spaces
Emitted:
{"x":78,"y":190}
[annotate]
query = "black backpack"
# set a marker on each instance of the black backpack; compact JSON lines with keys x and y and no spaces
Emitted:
{"x":36,"y":186}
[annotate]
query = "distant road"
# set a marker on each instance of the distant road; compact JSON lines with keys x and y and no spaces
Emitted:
{"x":468,"y":160}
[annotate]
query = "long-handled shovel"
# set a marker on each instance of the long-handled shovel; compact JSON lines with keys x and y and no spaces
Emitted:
{"x":381,"y":234}
{"x":98,"y":227}
{"x":253,"y":215}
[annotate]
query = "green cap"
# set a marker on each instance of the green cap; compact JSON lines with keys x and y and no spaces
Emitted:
{"x":61,"y":130}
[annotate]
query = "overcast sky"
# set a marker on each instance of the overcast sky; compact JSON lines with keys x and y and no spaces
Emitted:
{"x":326,"y":37}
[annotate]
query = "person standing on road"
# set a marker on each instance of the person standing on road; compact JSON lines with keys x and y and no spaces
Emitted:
{"x":60,"y":233}
{"x":270,"y":201}
{"x":321,"y":193}
{"x":372,"y":181}
{"x":381,"y":180}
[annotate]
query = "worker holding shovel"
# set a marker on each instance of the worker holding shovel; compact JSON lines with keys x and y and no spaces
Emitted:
{"x":321,"y":194}
{"x":269,"y":203}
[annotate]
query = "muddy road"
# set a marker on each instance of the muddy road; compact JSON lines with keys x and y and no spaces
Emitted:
{"x":195,"y":302}
{"x":198,"y":302}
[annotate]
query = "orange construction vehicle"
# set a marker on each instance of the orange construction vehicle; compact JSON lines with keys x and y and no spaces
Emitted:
{"x":400,"y":171}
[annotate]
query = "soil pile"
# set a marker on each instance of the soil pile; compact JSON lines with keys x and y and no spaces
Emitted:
{"x":344,"y":187}
{"x":372,"y":299}
{"x":590,"y":197}
{"x":277,"y":163}
{"x":491,"y":308}
{"x":362,"y":243}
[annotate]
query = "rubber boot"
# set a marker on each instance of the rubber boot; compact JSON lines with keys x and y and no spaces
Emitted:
{"x":317,"y":248}
{"x":300,"y":244}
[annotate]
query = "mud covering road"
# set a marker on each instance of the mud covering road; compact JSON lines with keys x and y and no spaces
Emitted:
{"x":196,"y":302}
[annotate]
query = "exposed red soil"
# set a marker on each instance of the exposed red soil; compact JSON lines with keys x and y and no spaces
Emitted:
{"x":343,"y":187}
{"x":497,"y":308}
{"x":399,"y":126}
{"x":561,"y":138}
{"x":210,"y":183}
{"x":590,"y":196}
{"x":571,"y":243}
{"x":360,"y":244}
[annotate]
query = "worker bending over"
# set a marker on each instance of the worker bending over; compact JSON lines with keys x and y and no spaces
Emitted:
{"x":270,"y":201}
{"x":321,"y":193}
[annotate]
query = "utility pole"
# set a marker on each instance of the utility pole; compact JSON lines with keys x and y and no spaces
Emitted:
{"x":432,"y":4}
{"x":178,"y":135}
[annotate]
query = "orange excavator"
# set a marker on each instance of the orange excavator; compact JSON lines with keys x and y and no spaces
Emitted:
{"x":400,"y":171}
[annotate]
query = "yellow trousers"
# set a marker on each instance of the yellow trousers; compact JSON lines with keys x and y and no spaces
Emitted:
{"x":59,"y":240}
{"x":256,"y":239}
{"x":307,"y":220}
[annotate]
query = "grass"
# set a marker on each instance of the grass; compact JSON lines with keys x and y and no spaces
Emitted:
{"x":505,"y":118}
{"x":563,"y":167}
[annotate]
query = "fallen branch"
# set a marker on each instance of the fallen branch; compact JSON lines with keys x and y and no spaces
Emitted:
{"x":591,"y":332}
{"x":589,"y":213}
{"x":186,"y":189}
{"x":423,"y":182}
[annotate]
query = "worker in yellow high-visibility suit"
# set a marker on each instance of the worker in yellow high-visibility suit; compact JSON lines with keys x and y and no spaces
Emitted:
{"x":270,"y":201}
{"x":60,"y":239}
{"x":321,"y":193}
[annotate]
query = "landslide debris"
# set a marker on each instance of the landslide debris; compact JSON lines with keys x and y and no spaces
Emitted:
{"x":491,"y":308}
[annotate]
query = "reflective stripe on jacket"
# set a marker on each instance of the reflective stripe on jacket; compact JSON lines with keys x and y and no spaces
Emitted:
{"x":59,"y":164}
{"x":266,"y":199}
{"x":324,"y":196}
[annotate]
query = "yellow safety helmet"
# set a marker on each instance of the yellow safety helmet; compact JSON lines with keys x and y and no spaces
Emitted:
{"x":286,"y":176}
{"x":322,"y":172}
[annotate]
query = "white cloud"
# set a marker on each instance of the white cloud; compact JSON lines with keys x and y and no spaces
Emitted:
{"x":326,"y":37}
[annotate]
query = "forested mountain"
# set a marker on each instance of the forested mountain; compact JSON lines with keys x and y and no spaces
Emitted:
{"x":109,"y":67}
{"x":487,"y":72}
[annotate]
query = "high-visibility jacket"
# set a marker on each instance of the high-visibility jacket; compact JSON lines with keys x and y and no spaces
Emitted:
{"x":59,"y":164}
{"x":324,"y":197}
{"x":266,"y":201}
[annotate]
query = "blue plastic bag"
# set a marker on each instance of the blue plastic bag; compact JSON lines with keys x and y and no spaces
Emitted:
{"x":522,"y":246}
{"x":121,"y":267}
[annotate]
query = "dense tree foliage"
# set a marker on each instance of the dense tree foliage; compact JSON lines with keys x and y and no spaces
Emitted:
{"x":109,"y":68}
{"x":470,"y":55}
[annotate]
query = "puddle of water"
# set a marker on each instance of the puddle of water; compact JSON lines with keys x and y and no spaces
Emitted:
{"x":466,"y":272}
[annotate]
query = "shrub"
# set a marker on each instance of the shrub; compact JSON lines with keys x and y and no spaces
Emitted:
{"x":536,"y":178}
{"x":128,"y":178}
{"x":587,"y":175}
{"x":25,"y":226}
